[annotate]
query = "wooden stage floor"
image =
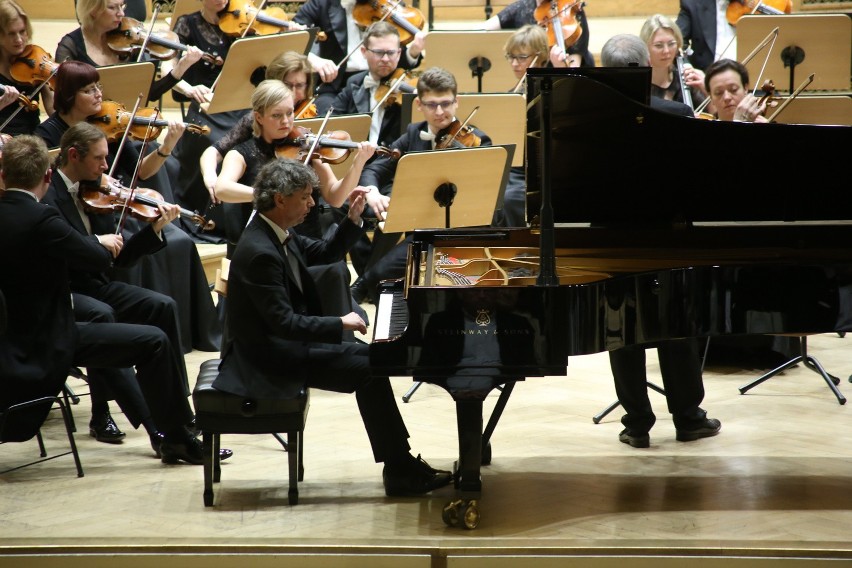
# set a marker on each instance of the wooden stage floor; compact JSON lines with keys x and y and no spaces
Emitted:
{"x":775,"y":484}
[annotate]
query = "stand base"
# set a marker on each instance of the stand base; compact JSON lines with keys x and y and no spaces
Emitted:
{"x":809,"y":362}
{"x":602,"y":414}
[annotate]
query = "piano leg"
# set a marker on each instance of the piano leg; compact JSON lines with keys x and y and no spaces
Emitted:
{"x":464,"y":509}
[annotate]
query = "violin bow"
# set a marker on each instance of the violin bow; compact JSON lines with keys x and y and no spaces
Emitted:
{"x":135,"y":178}
{"x":771,"y":36}
{"x":111,"y":173}
{"x":792,"y":96}
{"x":524,"y":78}
{"x":29,"y":97}
{"x":318,"y":135}
{"x":391,"y":90}
{"x":150,"y":31}
{"x":463,"y":124}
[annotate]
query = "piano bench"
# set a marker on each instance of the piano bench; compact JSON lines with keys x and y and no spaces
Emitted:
{"x":218,"y":412}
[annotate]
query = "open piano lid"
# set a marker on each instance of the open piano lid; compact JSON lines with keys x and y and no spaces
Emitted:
{"x":616,"y":160}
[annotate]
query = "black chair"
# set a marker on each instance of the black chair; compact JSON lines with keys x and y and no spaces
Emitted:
{"x":218,"y":412}
{"x":23,"y":421}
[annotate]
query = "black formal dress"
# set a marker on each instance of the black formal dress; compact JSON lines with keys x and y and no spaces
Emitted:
{"x":280,"y":340}
{"x":26,"y":121}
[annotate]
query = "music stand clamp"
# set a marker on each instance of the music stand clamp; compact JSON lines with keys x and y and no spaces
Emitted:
{"x":478,"y":66}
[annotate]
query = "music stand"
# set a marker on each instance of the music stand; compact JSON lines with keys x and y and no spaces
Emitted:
{"x":475,"y":59}
{"x":123,"y":83}
{"x":357,"y":125}
{"x":831,"y":109}
{"x":233,"y":89}
{"x":181,"y":8}
{"x":807,"y":43}
{"x":446,"y":189}
{"x":501,"y":116}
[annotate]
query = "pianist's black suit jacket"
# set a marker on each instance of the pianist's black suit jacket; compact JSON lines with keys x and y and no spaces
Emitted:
{"x":274,"y":327}
{"x":135,"y":246}
{"x":38,"y":347}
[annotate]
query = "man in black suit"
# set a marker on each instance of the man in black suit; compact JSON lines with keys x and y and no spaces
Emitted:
{"x":82,"y":158}
{"x":436,"y":99}
{"x":381,"y":50}
{"x":43,"y":341}
{"x":334,"y":17}
{"x":706,"y":29}
{"x":279,"y":340}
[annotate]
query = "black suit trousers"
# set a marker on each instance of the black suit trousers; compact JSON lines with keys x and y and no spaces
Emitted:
{"x":147,"y":348}
{"x":346,"y":368}
{"x":680,"y":367}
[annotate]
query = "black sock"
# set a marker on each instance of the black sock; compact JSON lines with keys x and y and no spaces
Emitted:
{"x":100,"y":407}
{"x":149,"y":425}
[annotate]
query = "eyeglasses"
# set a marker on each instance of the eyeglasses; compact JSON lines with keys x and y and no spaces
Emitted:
{"x":520,"y":58}
{"x":659,"y":46}
{"x":384,"y":52}
{"x":295,"y":86}
{"x":433,"y":106}
{"x":96,"y":88}
{"x":116,"y":7}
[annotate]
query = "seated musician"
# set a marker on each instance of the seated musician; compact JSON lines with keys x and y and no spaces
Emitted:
{"x":522,"y":12}
{"x":344,"y":34}
{"x":42,"y":341}
{"x":291,"y":68}
{"x":727,"y":83}
{"x":665,"y":42}
{"x":436,"y":99}
{"x":280,"y":341}
{"x":381,"y":50}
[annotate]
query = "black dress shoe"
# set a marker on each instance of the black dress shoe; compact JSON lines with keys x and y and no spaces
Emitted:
{"x":104,"y":429}
{"x":188,"y":450}
{"x":157,"y":440}
{"x":705,"y":429}
{"x":413,"y":479}
{"x":360,"y":291}
{"x":635,"y":439}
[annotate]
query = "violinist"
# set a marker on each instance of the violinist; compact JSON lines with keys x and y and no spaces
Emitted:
{"x":706,"y":30}
{"x":526,"y":48}
{"x":665,"y":42}
{"x":15,"y":35}
{"x":83,"y":158}
{"x":437,"y":91}
{"x":90,"y":43}
{"x":727,"y":82}
{"x":344,"y":34}
{"x":381,"y":49}
{"x":291,"y":68}
{"x":522,"y":12}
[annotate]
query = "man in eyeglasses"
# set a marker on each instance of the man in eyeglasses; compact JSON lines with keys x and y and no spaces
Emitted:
{"x":436,"y":99}
{"x":382,"y":51}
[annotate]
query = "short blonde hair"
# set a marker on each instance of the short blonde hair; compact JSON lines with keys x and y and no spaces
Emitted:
{"x":268,"y":93}
{"x":530,"y":36}
{"x":659,"y":22}
{"x":9,"y":12}
{"x":89,"y":10}
{"x":290,"y":62}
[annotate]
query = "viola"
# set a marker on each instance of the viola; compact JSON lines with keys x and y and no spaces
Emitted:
{"x":113,"y":118}
{"x":391,"y":86}
{"x":131,"y":35}
{"x":141,"y":203}
{"x":457,"y":135}
{"x":306,"y":109}
{"x":768,"y":96}
{"x":407,"y":20}
{"x":27,"y":103}
{"x":738,"y":8}
{"x":559,"y":18}
{"x":235,"y":19}
{"x":33,"y":67}
{"x":333,"y":147}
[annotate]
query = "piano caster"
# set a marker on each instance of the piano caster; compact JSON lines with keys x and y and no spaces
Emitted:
{"x":461,"y":512}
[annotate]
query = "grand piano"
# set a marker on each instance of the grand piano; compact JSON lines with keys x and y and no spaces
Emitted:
{"x":748,"y":231}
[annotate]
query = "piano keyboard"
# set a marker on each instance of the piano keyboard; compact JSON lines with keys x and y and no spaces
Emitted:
{"x":391,"y":315}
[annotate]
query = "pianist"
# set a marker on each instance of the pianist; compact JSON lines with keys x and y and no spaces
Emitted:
{"x":279,"y":340}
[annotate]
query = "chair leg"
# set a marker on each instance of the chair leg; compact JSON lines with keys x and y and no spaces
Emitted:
{"x":293,"y":463}
{"x":302,"y":455}
{"x":282,"y":441}
{"x":66,"y":394}
{"x":42,"y":451}
{"x":407,"y":396}
{"x":217,"y":462}
{"x":207,"y":448}
{"x":68,"y":419}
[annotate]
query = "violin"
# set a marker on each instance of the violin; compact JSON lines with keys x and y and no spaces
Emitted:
{"x":559,"y":18}
{"x":131,"y":35}
{"x":333,"y":147}
{"x":34,"y":66}
{"x":457,"y":135}
{"x":768,"y":96}
{"x":141,"y":203}
{"x":113,"y":117}
{"x":238,"y":15}
{"x":407,"y":20}
{"x":397,"y":82}
{"x":739,"y":8}
{"x":306,"y":109}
